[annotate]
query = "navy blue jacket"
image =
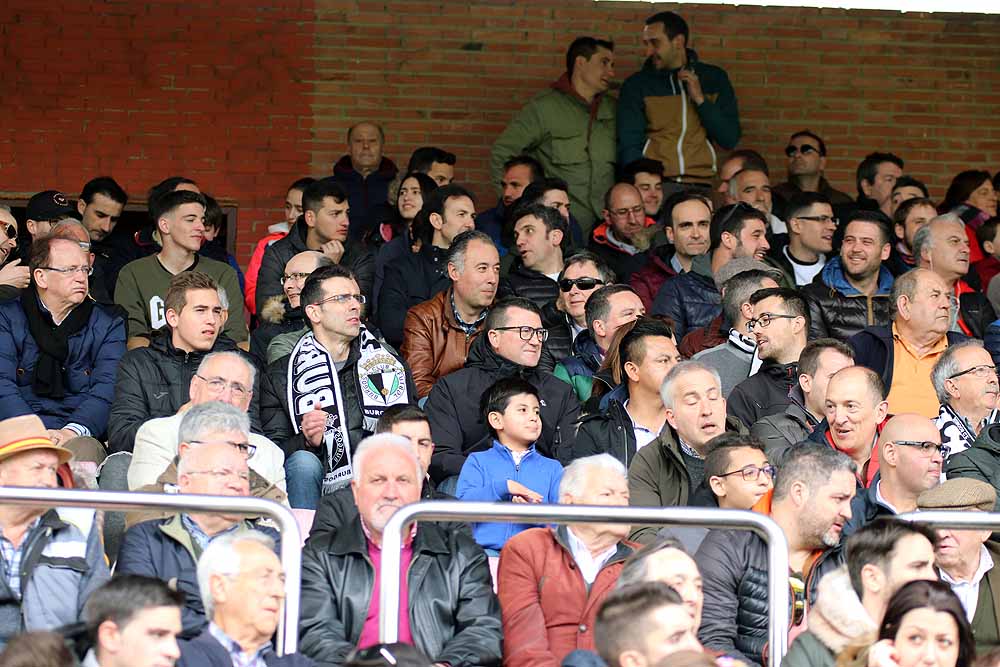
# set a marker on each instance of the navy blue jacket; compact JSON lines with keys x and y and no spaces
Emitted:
{"x":363,"y":194}
{"x":206,"y":651}
{"x":873,"y":349}
{"x":94,"y":353}
{"x":690,"y":299}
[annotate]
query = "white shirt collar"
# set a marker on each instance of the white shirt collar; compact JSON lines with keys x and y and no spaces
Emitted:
{"x":589,"y":565}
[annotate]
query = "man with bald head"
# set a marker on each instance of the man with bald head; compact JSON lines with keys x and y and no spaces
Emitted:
{"x":965,"y":380}
{"x":855,"y":408}
{"x":365,"y":173}
{"x":942,"y":246}
{"x":911,"y":460}
{"x":282,"y":313}
{"x":904,"y":353}
{"x":624,"y":237}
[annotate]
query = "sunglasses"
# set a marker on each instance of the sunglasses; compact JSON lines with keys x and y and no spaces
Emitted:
{"x":9,"y":230}
{"x":805,"y":149}
{"x":566,"y":284}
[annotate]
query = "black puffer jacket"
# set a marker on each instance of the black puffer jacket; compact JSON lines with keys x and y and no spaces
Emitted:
{"x":690,"y":299}
{"x":356,"y":257}
{"x":154,"y":382}
{"x":529,"y":284}
{"x":607,"y":432}
{"x":764,"y":393}
{"x":453,"y":409}
{"x":275,"y":417}
{"x":560,"y":342}
{"x":413,"y":279}
{"x":977,"y":312}
{"x":454,"y":613}
{"x":733,"y":566}
{"x":838,"y":310}
{"x":276,"y":318}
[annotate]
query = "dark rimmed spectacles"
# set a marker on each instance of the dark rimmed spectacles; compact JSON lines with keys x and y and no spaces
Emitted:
{"x":752,"y":473}
{"x":764,"y":321}
{"x":981,"y":371}
{"x":925,"y":447}
{"x":819,"y":218}
{"x":526,"y":333}
{"x":804,"y":149}
{"x":244,"y":447}
{"x":567,"y":284}
{"x":299,"y":276}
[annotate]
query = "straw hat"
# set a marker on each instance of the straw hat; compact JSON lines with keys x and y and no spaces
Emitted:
{"x":25,"y":433}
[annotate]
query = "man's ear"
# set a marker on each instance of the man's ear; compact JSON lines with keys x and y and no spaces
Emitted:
{"x":310,"y":217}
{"x":109,"y":636}
{"x":900,"y":232}
{"x":437,"y":222}
{"x":632,"y":371}
{"x":556,"y":237}
{"x":669,"y":229}
{"x":873,"y":579}
{"x":453,"y":273}
{"x":717,"y":486}
{"x":495,"y":419}
{"x":81,"y":206}
{"x":172,"y":317}
{"x":866,"y":187}
{"x":729,"y":241}
{"x":599,"y":328}
{"x":632,"y":658}
{"x":886,"y":251}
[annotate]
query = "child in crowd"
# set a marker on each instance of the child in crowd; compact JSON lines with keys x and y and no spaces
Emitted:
{"x":737,"y":471}
{"x":511,"y":470}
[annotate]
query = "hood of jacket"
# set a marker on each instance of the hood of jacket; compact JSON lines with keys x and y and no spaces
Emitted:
{"x":344,"y":168}
{"x":989,"y":439}
{"x":564,"y":85}
{"x":837,"y":618}
{"x":587,"y":349}
{"x":833,"y":277}
{"x":277,"y":310}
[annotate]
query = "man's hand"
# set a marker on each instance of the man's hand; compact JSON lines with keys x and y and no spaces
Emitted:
{"x":61,"y":436}
{"x":334,"y":250}
{"x":314,"y":426}
{"x":15,"y":275}
{"x":688,"y":76}
{"x":522,"y":494}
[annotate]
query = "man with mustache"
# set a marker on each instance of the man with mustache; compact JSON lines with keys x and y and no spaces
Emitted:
{"x":904,"y":353}
{"x":965,"y":380}
{"x":447,"y":607}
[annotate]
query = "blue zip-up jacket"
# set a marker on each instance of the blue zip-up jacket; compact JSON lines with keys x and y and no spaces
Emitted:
{"x":838,"y":310}
{"x":484,"y":478}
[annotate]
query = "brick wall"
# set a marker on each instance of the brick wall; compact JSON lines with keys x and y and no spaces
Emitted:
{"x":246,"y":98}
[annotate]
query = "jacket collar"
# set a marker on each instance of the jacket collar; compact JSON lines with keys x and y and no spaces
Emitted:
{"x":350,"y":539}
{"x":561,"y":535}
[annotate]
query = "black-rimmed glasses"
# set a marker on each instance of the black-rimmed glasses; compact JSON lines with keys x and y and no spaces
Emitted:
{"x":527,"y":332}
{"x":244,"y":447}
{"x":752,"y":473}
{"x":926,"y":447}
{"x":764,"y":321}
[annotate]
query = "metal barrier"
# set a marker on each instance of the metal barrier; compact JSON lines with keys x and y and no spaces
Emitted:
{"x":291,"y":552}
{"x":955,"y":519}
{"x":392,"y":542}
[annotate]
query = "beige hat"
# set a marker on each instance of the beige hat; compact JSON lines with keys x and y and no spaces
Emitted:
{"x":25,"y":433}
{"x":960,"y":493}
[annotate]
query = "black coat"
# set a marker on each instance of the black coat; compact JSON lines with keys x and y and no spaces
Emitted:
{"x":560,"y":342}
{"x":413,"y":279}
{"x":833,"y":314}
{"x":206,"y":651}
{"x":282,"y":320}
{"x":154,"y":382}
{"x":356,"y":257}
{"x":453,"y":409}
{"x":764,"y":393}
{"x":977,"y":312}
{"x":607,"y":432}
{"x":529,"y":284}
{"x":454,"y":613}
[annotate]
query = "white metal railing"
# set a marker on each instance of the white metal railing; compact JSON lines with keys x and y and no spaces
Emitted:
{"x":291,"y":540}
{"x":777,"y":546}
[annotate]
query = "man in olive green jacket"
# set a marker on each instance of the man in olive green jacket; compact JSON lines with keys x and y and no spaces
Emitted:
{"x":570,"y":129}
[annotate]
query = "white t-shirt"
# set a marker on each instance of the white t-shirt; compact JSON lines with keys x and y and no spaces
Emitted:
{"x":804,"y":273}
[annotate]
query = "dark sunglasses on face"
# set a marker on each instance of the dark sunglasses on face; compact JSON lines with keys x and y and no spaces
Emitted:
{"x":805,"y":149}
{"x":566,"y":284}
{"x":9,"y":230}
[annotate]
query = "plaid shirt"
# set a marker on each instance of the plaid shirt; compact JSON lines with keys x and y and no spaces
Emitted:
{"x":240,"y":659}
{"x":200,"y":537}
{"x":12,"y":558}
{"x":468,"y":328}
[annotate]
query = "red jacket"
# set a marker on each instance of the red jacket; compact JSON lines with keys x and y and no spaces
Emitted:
{"x":648,"y":280}
{"x":546,"y":609}
{"x":253,"y":268}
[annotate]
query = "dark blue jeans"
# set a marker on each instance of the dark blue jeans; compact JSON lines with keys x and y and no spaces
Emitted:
{"x":304,"y":478}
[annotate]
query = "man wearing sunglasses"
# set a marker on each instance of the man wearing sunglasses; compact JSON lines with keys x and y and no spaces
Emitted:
{"x":211,"y":460}
{"x":566,"y":319}
{"x":806,"y":153}
{"x":965,"y":380}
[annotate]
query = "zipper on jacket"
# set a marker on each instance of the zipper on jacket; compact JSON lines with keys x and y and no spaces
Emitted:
{"x":680,"y":139}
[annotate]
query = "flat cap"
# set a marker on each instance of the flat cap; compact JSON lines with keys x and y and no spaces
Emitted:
{"x":960,"y":493}
{"x":741,"y":264}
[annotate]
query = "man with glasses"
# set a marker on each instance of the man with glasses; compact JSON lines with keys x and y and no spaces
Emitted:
{"x":811,"y":225}
{"x":965,"y":380}
{"x":223,"y":376}
{"x":212,"y":460}
{"x":624,"y":237}
{"x":910,"y":461}
{"x":511,"y":344}
{"x":942,"y":246}
{"x":737,"y":471}
{"x":322,"y":399}
{"x":904,"y":353}
{"x":566,"y":319}
{"x":61,"y":350}
{"x":780,"y":326}
{"x":179,"y":218}
{"x":806,"y":153}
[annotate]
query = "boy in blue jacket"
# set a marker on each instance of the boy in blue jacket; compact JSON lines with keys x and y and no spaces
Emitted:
{"x":511,"y":470}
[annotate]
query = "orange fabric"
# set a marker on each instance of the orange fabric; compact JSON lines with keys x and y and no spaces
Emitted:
{"x":911,"y":389}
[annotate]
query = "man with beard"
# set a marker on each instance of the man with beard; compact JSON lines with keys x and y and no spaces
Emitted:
{"x":811,"y":504}
{"x":852,"y":290}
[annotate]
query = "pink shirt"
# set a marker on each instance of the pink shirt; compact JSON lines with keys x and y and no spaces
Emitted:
{"x":369,"y":633}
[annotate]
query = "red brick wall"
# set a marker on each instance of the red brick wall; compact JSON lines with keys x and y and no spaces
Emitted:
{"x":245,"y":97}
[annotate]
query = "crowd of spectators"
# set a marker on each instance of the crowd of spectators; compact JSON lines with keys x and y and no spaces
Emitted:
{"x":640,"y":319}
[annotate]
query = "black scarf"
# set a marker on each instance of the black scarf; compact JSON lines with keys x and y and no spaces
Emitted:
{"x":52,"y":341}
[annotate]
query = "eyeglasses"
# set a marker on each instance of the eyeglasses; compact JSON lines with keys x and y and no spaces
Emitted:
{"x":804,"y":149}
{"x":752,"y":473}
{"x":297,"y":276}
{"x":819,"y":218}
{"x":244,"y":447}
{"x":527,"y":332}
{"x":342,"y":298}
{"x":9,"y":229}
{"x":764,"y":321}
{"x":223,"y":474}
{"x":218,"y":385}
{"x":70,"y":270}
{"x":636,"y":211}
{"x":926,"y":447}
{"x":566,"y":284}
{"x":982,"y":371}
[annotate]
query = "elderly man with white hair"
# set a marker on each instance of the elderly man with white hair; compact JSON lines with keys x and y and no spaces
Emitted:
{"x":222,"y":376}
{"x":553,"y":580}
{"x":965,"y":380}
{"x":212,"y":460}
{"x":446,"y":602}
{"x":942,"y":246}
{"x":242,"y":585}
